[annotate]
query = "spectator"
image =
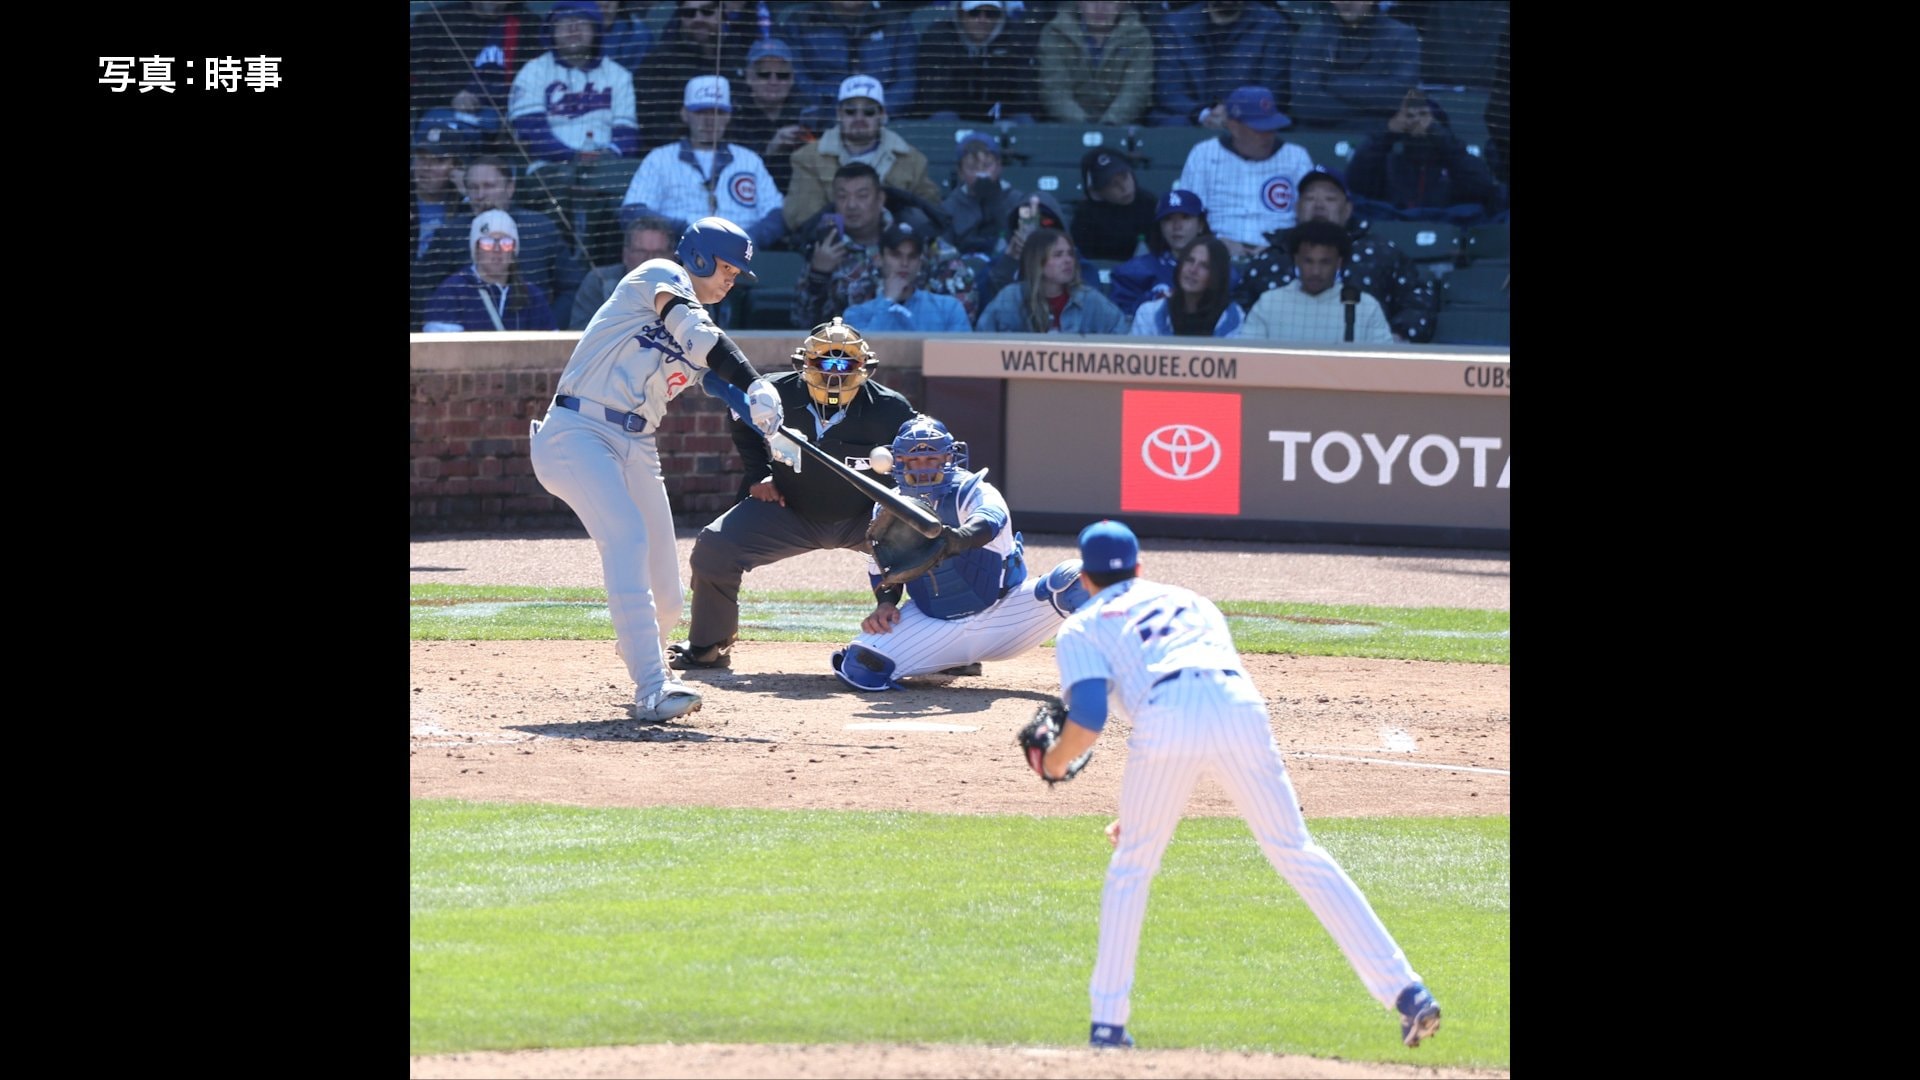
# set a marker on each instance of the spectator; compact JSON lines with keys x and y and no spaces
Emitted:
{"x":980,"y":65}
{"x":489,"y":294}
{"x":1049,"y":298}
{"x":860,"y":136}
{"x":768,"y":119}
{"x":782,"y":512}
{"x":836,"y":39}
{"x":1349,"y":72}
{"x":1199,"y":305}
{"x":1181,"y":219}
{"x":704,"y":175}
{"x":439,"y":158}
{"x":648,"y":237}
{"x":1208,"y":49}
{"x":1247,"y":175}
{"x":842,"y":270}
{"x":980,"y":201}
{"x":570,"y":105}
{"x":1096,"y":65}
{"x":1113,"y":220}
{"x":1418,"y":164}
{"x":1406,"y":293}
{"x":624,"y":30}
{"x":464,"y":57}
{"x":902,"y":303}
{"x":1039,"y":212}
{"x":698,"y":40}
{"x":1309,"y":310}
{"x":541,"y":256}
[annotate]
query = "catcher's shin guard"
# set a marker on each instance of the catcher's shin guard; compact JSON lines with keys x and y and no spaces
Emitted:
{"x":1063,"y":588}
{"x":863,"y":669}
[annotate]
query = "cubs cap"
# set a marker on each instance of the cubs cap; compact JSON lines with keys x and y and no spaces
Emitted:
{"x":769,"y":47}
{"x":971,"y":141}
{"x":863,"y":86}
{"x":1177,"y":201}
{"x":1321,"y":172}
{"x":1099,"y":167}
{"x":903,"y":232}
{"x":1106,"y":546}
{"x":492,"y":221}
{"x":1254,"y":107}
{"x":708,"y":92}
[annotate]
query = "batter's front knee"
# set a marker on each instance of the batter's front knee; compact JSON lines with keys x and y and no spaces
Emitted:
{"x":863,"y":669}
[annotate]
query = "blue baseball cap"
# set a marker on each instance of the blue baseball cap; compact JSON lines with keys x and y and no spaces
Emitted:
{"x":1254,"y":107}
{"x":1107,"y":546}
{"x":1177,"y":201}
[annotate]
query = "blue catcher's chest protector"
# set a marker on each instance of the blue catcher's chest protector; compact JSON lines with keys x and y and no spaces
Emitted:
{"x":971,"y":581}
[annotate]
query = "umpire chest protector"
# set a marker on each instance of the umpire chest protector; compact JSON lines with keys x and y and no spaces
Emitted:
{"x":971,"y":581}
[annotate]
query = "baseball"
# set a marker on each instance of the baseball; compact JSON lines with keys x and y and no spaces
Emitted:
{"x":881,"y":459}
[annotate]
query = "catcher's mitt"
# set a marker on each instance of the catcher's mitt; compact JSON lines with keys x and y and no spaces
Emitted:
{"x":1039,"y":735}
{"x":901,"y":552}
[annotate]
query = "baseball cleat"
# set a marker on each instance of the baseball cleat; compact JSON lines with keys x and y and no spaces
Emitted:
{"x":961,"y":669}
{"x":689,"y":657}
{"x":670,"y":702}
{"x":1419,"y":1014}
{"x":1110,"y":1035}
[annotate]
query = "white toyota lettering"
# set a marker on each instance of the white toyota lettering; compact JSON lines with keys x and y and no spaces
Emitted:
{"x":1432,"y":460}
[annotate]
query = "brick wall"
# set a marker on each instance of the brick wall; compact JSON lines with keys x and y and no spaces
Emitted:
{"x":470,"y":398}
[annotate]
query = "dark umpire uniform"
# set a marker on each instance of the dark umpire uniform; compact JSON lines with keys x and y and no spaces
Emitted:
{"x":821,"y":511}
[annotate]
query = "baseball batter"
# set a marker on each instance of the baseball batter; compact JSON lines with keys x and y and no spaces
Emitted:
{"x":976,"y":604}
{"x":1164,"y":657}
{"x":595,"y":449}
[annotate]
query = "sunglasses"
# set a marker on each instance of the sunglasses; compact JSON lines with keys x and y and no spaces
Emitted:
{"x":845,"y":111}
{"x":778,"y":76}
{"x":497,"y":243}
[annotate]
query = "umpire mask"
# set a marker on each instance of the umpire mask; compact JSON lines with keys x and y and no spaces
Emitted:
{"x":834,"y":360}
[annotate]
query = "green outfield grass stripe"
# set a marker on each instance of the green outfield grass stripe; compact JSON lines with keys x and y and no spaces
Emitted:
{"x":556,"y":926}
{"x":519,"y":613}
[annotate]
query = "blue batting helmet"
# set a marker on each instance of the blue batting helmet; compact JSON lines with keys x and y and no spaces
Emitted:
{"x":713,"y":238}
{"x":924,"y":437}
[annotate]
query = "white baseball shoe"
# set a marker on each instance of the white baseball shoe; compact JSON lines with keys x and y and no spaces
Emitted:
{"x":670,"y":702}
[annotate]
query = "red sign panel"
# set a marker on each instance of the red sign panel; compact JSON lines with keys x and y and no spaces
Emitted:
{"x":1179,"y":452}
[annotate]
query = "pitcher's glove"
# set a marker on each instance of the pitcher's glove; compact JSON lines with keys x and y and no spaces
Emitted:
{"x":1041,"y":733}
{"x":901,"y":552}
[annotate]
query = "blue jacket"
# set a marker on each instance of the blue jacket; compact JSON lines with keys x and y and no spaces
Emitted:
{"x":457,"y":304}
{"x":1196,"y":64}
{"x":1145,"y":277}
{"x":1353,"y":77}
{"x":1087,"y":312}
{"x":924,"y":312}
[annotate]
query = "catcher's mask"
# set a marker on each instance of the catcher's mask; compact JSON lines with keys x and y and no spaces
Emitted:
{"x":924,"y":458}
{"x":834,"y":360}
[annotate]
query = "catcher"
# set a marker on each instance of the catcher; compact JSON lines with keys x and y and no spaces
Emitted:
{"x":972,"y":598}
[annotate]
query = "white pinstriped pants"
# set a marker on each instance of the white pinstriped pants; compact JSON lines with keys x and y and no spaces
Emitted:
{"x":1194,"y":724}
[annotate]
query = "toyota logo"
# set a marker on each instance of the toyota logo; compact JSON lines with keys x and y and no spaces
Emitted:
{"x":1180,"y":452}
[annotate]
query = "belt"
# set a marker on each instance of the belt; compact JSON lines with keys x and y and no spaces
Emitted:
{"x":1172,"y":675}
{"x":633,"y":422}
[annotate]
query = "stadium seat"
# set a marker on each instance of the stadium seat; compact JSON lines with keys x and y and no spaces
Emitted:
{"x":1058,"y":145}
{"x":1332,"y":148}
{"x":935,"y":138}
{"x":769,"y":301}
{"x":1476,"y":287}
{"x":1474,"y":326}
{"x":1479,"y":243}
{"x":1167,"y":147}
{"x":1061,"y":184}
{"x":1425,"y":241}
{"x":1104,"y":268}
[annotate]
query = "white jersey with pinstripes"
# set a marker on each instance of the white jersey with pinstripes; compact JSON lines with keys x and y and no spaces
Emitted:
{"x":626,"y":360}
{"x":1245,"y":200}
{"x":1173,"y":672}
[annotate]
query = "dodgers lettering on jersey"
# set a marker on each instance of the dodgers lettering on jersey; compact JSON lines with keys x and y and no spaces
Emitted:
{"x":1134,"y":631}
{"x":627,"y":360}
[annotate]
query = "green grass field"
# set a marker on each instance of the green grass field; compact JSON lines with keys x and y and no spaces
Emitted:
{"x":546,"y":926}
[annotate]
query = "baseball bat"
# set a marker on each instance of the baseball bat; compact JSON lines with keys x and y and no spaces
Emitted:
{"x":924,"y":521}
